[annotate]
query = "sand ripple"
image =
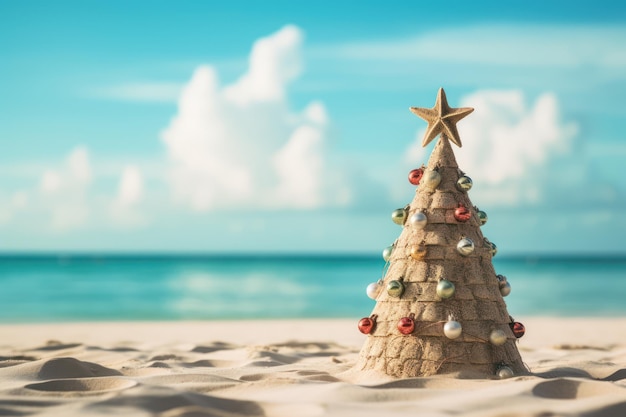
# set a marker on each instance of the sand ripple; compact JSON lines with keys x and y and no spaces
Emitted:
{"x":294,"y":379}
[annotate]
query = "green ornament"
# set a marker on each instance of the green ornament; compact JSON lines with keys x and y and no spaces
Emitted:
{"x":445,"y":289}
{"x":387,"y":253}
{"x":398,"y":216}
{"x":395,"y":288}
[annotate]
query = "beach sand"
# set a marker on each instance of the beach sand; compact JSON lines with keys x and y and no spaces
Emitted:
{"x":294,"y":368}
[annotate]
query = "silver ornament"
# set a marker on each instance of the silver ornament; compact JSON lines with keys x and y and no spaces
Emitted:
{"x":465,"y":246}
{"x":505,"y":289}
{"x":395,"y":288}
{"x":398,"y":216}
{"x":464,"y":183}
{"x":445,"y":289}
{"x":387,"y":253}
{"x":482,"y":216}
{"x":504,"y":372}
{"x":498,"y":337}
{"x":418,"y":220}
{"x":373,"y":290}
{"x":452,"y":329}
{"x":431,"y":179}
{"x":501,"y":280}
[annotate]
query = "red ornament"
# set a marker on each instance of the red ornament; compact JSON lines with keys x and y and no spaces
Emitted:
{"x":406,"y":325}
{"x":367,"y":324}
{"x":462,"y":213}
{"x":518,"y":329}
{"x":415,"y":176}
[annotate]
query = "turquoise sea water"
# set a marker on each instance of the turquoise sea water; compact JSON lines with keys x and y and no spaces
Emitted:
{"x":80,"y":288}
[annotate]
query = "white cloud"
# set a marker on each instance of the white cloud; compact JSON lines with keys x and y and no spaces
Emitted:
{"x":294,"y":164}
{"x":50,"y":182}
{"x":274,"y":62}
{"x":508,"y":147}
{"x":130,"y":193}
{"x":241,"y":145}
{"x":63,"y":191}
{"x":130,"y":189}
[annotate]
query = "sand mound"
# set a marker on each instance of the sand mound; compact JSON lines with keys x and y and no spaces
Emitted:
{"x":81,"y":385}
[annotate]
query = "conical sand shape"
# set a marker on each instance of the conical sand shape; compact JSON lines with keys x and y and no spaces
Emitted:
{"x":476,"y":303}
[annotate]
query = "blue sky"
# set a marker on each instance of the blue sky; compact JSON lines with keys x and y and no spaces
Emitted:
{"x":248,"y":126}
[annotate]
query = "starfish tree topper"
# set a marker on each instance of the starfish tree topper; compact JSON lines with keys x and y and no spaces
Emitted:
{"x":442,"y":119}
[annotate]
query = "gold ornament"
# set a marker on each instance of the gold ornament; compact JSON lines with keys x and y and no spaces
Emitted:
{"x":418,"y":252}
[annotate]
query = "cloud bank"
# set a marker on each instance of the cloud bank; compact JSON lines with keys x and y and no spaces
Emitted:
{"x":509,"y":147}
{"x":241,"y":145}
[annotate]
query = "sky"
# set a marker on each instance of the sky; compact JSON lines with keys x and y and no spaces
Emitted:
{"x":276,"y":126}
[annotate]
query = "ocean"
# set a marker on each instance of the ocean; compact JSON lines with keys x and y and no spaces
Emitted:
{"x":93,"y":288}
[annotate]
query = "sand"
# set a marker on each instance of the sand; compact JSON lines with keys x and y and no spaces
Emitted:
{"x":294,"y":369}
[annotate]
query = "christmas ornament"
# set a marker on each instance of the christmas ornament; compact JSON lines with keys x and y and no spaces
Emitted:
{"x":374,"y":289}
{"x":431,"y":179}
{"x":464,"y":183}
{"x":462,"y":214}
{"x":395,"y":288}
{"x":367,"y":324}
{"x":418,"y":252}
{"x":482,"y":216}
{"x":517,"y":328}
{"x":504,"y":372}
{"x":387,"y":253}
{"x":503,"y":284}
{"x":505,"y":289}
{"x":398,"y":216}
{"x":445,"y":289}
{"x":452,"y":329}
{"x":415,"y":175}
{"x":418,"y":220}
{"x":492,"y":246}
{"x":497,"y":337}
{"x":406,"y":325}
{"x":465,"y":246}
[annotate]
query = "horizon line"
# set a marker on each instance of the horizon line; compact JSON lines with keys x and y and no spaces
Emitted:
{"x":84,"y":255}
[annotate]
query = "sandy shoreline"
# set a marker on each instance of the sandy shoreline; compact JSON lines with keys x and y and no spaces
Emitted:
{"x":292,"y":368}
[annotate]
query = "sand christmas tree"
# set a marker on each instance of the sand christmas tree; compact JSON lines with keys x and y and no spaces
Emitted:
{"x":439,"y":306}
